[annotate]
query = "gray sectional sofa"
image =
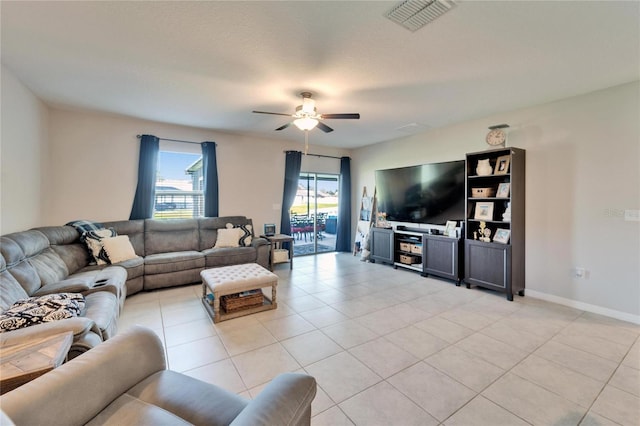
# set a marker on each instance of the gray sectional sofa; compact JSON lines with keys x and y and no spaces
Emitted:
{"x":125,"y":382}
{"x":52,"y":259}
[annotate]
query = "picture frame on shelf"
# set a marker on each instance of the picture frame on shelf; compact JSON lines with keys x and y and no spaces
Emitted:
{"x":503,"y":190}
{"x":450,"y":228}
{"x":502,"y":236}
{"x":484,"y":211}
{"x":502,"y":165}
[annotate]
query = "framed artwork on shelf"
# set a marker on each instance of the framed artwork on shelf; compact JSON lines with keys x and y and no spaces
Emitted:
{"x":502,"y":165}
{"x":450,"y":228}
{"x":503,"y":190}
{"x":502,"y":236}
{"x":484,"y":211}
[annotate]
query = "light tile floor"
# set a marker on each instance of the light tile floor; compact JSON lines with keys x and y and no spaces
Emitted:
{"x":389,"y":347}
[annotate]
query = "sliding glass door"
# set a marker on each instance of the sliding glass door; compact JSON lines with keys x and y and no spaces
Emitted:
{"x":314,"y":214}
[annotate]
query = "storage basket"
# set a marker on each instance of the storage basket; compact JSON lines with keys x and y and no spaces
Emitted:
{"x":482,"y":192}
{"x":280,"y":255}
{"x":416,"y":248}
{"x":405,"y":247}
{"x":237,"y":302}
{"x":409,"y":260}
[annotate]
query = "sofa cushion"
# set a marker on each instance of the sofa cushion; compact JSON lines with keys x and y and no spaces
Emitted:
{"x":36,"y":310}
{"x":166,"y":236}
{"x":31,"y":261}
{"x":127,"y":410}
{"x":119,"y":249}
{"x":193,"y":400}
{"x":10,"y":290}
{"x":65,"y":241}
{"x":229,"y":256}
{"x":172,"y":262}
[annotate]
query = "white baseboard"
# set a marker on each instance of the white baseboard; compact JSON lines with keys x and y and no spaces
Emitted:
{"x":623,"y":316}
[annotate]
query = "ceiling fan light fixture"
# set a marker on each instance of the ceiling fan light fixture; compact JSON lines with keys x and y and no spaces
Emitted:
{"x":305,"y":123}
{"x":308,"y":106}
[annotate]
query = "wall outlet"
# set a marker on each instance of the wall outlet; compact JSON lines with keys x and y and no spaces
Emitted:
{"x":620,"y":213}
{"x":632,"y":215}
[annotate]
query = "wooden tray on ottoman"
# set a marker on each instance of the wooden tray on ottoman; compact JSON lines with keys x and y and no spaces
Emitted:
{"x":240,"y":301}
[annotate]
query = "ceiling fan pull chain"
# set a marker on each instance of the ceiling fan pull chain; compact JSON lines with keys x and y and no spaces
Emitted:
{"x":306,"y":142}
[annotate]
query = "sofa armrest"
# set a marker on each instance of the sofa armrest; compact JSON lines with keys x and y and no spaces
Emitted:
{"x":259,"y":241}
{"x":77,"y":391}
{"x":85,"y":284}
{"x":65,"y":286}
{"x":79,"y":326}
{"x":285,"y":401}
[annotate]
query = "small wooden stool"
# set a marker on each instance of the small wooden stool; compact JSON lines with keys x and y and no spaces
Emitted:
{"x":235,"y":279}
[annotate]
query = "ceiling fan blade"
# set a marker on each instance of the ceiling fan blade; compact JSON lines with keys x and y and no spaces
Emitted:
{"x":272,"y":113}
{"x":324,"y":127}
{"x":355,"y":116}
{"x":284,"y":126}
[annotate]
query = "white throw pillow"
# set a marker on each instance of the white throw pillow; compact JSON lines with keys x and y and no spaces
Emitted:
{"x":229,"y":237}
{"x":119,"y":248}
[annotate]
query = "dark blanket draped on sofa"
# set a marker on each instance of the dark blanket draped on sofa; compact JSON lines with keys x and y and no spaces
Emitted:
{"x":146,"y":189}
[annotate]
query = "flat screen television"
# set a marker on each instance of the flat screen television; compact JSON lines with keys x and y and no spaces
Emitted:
{"x":428,"y":193}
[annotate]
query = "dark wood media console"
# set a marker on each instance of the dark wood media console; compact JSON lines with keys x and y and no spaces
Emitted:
{"x":417,"y":250}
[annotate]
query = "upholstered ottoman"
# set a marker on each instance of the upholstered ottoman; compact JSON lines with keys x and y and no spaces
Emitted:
{"x":237,"y":280}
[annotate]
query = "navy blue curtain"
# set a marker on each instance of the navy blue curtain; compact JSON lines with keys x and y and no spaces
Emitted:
{"x":146,"y":190}
{"x":292,"y":164}
{"x":343,"y":228}
{"x":210,"y":179}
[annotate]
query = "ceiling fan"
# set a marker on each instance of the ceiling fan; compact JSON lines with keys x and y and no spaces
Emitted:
{"x":306,"y":116}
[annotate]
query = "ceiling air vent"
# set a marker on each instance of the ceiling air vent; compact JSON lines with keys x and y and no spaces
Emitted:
{"x":415,"y":14}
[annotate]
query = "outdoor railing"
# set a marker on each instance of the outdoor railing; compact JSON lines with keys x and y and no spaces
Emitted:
{"x":178,"y":204}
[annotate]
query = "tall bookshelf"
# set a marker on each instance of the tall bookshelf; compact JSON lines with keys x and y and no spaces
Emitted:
{"x":490,"y":261}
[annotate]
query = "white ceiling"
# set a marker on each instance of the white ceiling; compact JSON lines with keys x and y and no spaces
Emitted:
{"x":209,"y":64}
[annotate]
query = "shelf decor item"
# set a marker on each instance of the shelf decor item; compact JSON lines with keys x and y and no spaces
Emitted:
{"x":484,"y":168}
{"x":485,"y":233}
{"x":503,"y":190}
{"x":482,"y":192}
{"x":497,"y":136}
{"x":450,"y":228}
{"x":502,"y":236}
{"x":502,"y":165}
{"x":484,"y":211}
{"x":506,"y":216}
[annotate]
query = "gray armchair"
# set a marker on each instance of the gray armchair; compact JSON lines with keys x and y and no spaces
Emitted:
{"x":124,"y":381}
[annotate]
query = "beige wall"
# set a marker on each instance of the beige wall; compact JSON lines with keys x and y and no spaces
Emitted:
{"x":583,"y":170}
{"x":95,"y":162}
{"x":24,"y":151}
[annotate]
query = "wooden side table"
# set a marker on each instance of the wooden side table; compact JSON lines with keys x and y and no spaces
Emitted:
{"x":276,"y":242}
{"x":20,"y":364}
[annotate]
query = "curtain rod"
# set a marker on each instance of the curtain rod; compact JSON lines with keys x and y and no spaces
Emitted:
{"x":320,"y":155}
{"x":174,"y":140}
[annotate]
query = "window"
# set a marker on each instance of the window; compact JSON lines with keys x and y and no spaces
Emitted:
{"x":179,"y":186}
